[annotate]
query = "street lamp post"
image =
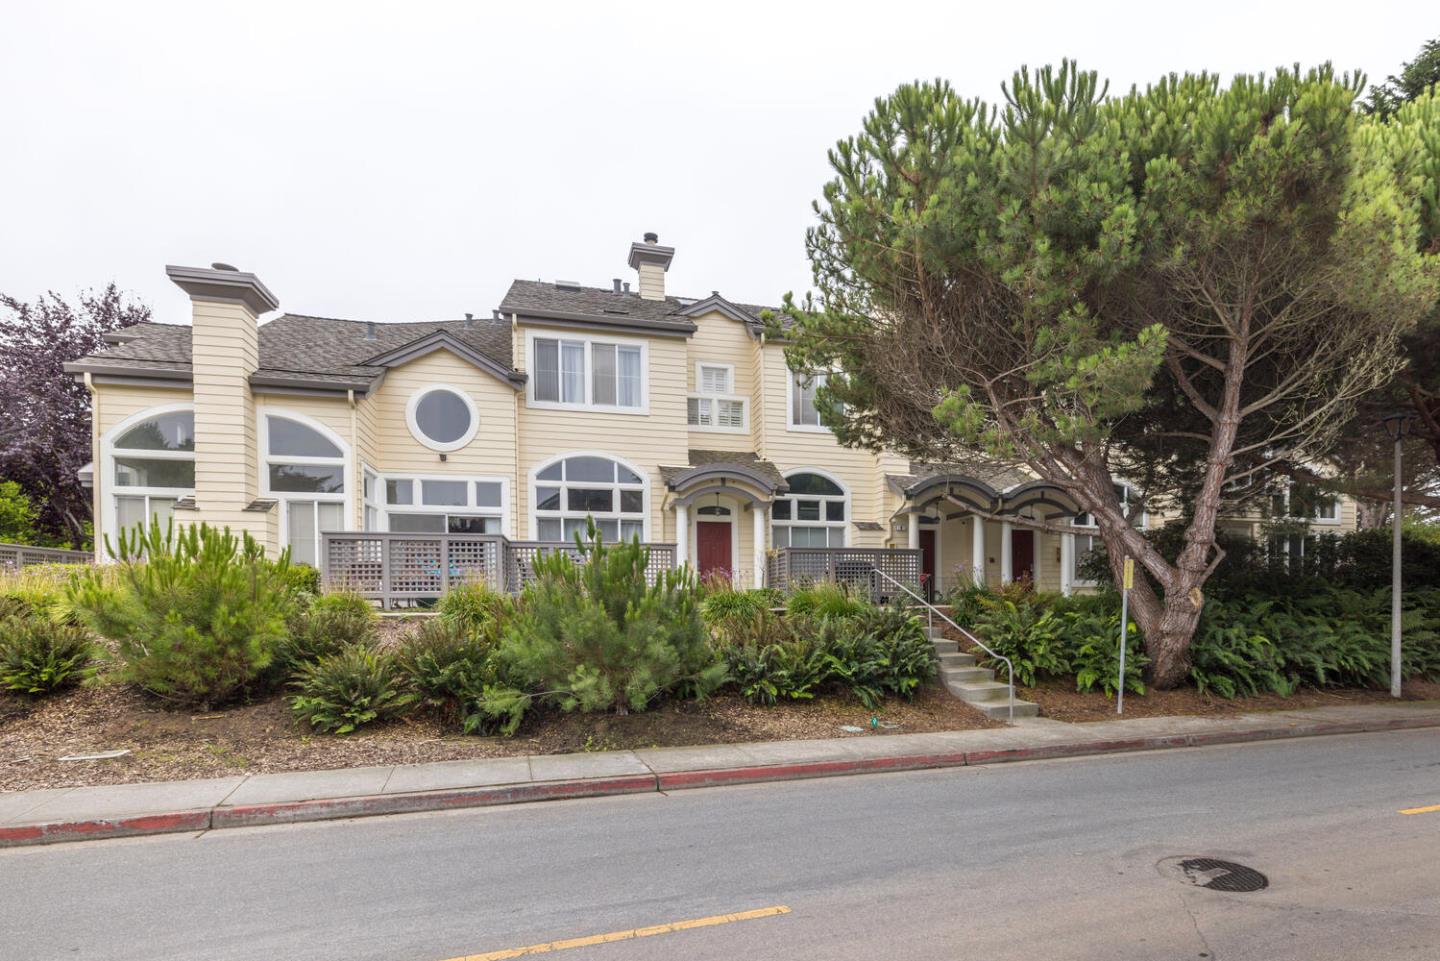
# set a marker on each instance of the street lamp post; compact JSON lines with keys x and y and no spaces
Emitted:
{"x":1395,"y":425}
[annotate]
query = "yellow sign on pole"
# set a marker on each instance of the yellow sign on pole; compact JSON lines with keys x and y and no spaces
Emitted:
{"x":1129,"y":573}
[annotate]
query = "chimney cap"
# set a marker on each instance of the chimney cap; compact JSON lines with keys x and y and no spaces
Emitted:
{"x":217,"y":265}
{"x":651,"y":237}
{"x":210,"y":283}
{"x":651,"y":253}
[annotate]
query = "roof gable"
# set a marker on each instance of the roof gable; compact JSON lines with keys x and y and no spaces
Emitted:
{"x":443,"y":340}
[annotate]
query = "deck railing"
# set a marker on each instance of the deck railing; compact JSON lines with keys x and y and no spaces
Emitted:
{"x":393,"y":567}
{"x":16,"y":556}
{"x":856,"y":567}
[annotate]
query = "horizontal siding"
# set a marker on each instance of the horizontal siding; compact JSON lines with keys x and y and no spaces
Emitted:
{"x":721,"y":340}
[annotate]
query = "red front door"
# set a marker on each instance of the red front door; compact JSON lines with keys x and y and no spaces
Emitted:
{"x":927,"y":561}
{"x":1022,"y":555}
{"x":712,"y":548}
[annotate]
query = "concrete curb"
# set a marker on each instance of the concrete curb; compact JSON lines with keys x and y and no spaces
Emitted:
{"x":293,"y":812}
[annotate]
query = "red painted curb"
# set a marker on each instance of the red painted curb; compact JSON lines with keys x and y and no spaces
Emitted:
{"x":250,"y":815}
{"x":679,"y":780}
{"x":48,"y":833}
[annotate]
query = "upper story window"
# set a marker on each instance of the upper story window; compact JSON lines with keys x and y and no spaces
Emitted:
{"x":813,"y":513}
{"x":804,"y":415}
{"x":305,"y":470}
{"x":715,"y":405}
{"x":442,"y":418}
{"x":585,"y":372}
{"x":570,"y":492}
{"x":1306,"y":505}
{"x":153,"y":464}
{"x":1085,"y":544}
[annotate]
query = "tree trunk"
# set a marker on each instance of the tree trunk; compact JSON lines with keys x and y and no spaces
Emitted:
{"x":1371,"y":515}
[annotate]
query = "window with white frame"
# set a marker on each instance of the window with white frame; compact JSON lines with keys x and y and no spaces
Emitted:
{"x":442,"y":418}
{"x":1319,"y":507}
{"x":587,"y":373}
{"x":804,"y":415}
{"x":715,"y":405}
{"x":372,"y":499}
{"x":814,"y":513}
{"x":570,"y":491}
{"x":304,"y":470}
{"x":1084,"y":544}
{"x":153,"y":466}
{"x":445,"y":505}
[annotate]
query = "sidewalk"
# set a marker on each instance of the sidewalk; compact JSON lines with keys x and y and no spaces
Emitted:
{"x":50,"y":815}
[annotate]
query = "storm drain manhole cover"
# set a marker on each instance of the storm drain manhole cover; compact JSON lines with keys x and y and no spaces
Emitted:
{"x":1215,"y":874}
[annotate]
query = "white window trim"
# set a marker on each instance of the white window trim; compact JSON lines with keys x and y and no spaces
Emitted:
{"x":1091,"y":529}
{"x":422,"y":437}
{"x":699,"y":393}
{"x":823,"y":498}
{"x":535,"y":482}
{"x":791,"y":386}
{"x":105,"y":476}
{"x":263,"y":413}
{"x":589,"y":340}
{"x":468,"y":509}
{"x":1315,"y":520}
{"x":375,"y":501}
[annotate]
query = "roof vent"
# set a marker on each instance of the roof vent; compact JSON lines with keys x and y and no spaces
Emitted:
{"x":616,"y":282}
{"x":230,"y":267}
{"x":627,"y":286}
{"x":651,"y":237}
{"x":469,"y":320}
{"x":567,"y":285}
{"x":369,"y":330}
{"x":614,"y":310}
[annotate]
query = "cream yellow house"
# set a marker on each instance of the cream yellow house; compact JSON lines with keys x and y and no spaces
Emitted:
{"x":672,"y":419}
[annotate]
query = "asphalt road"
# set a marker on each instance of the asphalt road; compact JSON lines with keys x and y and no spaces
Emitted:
{"x":1045,"y":860}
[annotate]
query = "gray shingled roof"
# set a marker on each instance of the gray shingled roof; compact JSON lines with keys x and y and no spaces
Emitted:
{"x":748,"y":459}
{"x":299,"y":347}
{"x":998,"y":476}
{"x":535,"y":298}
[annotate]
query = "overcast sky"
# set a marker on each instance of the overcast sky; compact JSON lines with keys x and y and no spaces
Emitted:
{"x":406,"y":161}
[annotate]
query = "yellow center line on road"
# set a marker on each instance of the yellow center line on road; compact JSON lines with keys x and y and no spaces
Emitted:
{"x":1425,"y":810}
{"x":593,"y":939}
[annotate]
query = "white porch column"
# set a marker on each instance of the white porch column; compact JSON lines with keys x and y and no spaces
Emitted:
{"x":977,"y":549}
{"x":912,"y":531}
{"x":1067,"y":555}
{"x":1038,"y":539}
{"x":682,"y":535}
{"x":1007,"y":558}
{"x":757,"y":549}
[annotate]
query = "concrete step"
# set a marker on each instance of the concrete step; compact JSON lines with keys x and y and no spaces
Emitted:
{"x":951,"y":659}
{"x":935,"y":632}
{"x":946,"y":647}
{"x":1000,"y":710}
{"x":966,"y":675}
{"x":975,"y":691}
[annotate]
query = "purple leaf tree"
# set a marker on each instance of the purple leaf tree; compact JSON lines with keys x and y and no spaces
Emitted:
{"x":45,"y":412}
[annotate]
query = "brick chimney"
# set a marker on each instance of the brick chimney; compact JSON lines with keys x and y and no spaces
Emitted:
{"x":650,"y":261}
{"x":225,"y":351}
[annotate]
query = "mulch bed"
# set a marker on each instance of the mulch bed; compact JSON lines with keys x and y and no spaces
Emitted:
{"x":263,"y":737}
{"x":1060,"y":701}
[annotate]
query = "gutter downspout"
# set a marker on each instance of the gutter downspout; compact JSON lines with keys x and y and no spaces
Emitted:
{"x":517,"y":351}
{"x":357,"y":479}
{"x":97,"y":472}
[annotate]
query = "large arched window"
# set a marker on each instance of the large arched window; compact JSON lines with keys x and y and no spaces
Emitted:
{"x":305,"y":470}
{"x":152,"y":466}
{"x":572,"y":489}
{"x":814,"y":513}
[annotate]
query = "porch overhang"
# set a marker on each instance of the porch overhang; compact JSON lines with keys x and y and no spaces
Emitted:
{"x":970,"y":491}
{"x":1042,"y":497}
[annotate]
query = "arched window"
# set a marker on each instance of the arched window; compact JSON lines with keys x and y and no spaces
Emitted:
{"x":814,"y":513}
{"x":153,"y":466}
{"x":572,"y":489}
{"x":305,"y":470}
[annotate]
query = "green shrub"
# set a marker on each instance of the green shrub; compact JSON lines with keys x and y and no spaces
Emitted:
{"x":725,"y":604}
{"x":1094,"y":642}
{"x":39,"y":656}
{"x":342,"y":692}
{"x":461,"y":674}
{"x":330,"y":623}
{"x":827,"y":599}
{"x":908,"y":656}
{"x":599,"y":636}
{"x":478,"y":610}
{"x":302,"y":580}
{"x":195,"y":615}
{"x":785,"y":670}
{"x":1031,"y":636}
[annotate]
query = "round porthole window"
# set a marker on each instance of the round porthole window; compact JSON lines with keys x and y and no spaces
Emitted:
{"x":442,"y":418}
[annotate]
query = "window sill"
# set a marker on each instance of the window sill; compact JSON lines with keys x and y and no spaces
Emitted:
{"x":643,"y":411}
{"x":718,"y":430}
{"x":807,"y":429}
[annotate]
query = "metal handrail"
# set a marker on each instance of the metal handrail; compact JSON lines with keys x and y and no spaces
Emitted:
{"x":934,"y":612}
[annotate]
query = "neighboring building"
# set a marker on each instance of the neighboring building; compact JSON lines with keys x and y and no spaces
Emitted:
{"x":669,"y":418}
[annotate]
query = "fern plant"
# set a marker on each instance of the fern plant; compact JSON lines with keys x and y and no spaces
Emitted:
{"x":40,"y":656}
{"x":342,"y":692}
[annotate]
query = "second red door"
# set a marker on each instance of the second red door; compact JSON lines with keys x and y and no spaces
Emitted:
{"x":712,"y":548}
